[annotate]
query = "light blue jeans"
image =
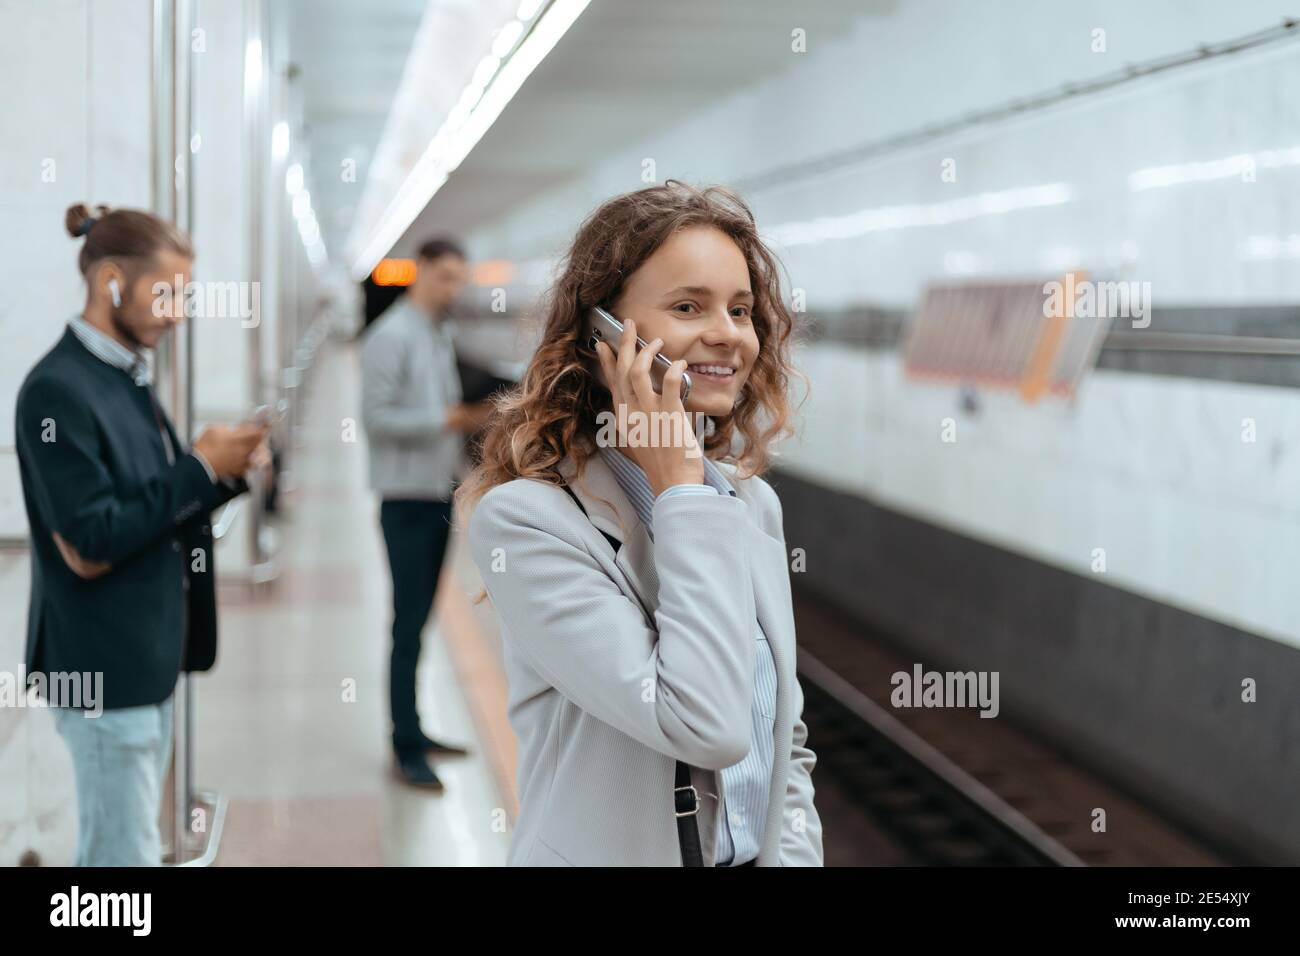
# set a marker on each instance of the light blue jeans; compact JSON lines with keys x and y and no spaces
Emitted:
{"x":120,"y":759}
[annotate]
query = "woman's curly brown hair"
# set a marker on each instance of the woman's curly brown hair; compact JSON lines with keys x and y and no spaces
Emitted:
{"x":536,"y":425}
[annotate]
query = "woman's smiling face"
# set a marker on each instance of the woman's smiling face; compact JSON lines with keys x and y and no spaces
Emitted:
{"x":694,"y":293}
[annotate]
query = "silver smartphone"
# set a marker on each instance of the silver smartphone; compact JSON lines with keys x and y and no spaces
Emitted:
{"x":603,"y":327}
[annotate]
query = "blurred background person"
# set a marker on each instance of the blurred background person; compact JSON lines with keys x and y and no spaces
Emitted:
{"x":123,"y":577}
{"x":415,"y":424}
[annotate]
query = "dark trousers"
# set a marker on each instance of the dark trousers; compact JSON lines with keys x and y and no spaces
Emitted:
{"x":415,"y":533}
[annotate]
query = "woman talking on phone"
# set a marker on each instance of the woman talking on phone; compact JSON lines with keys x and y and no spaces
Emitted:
{"x":639,"y":573}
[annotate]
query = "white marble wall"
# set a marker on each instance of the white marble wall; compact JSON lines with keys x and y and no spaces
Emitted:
{"x":1151,"y":469}
{"x":221,"y":227}
{"x":1083,"y":178}
{"x":222,"y":233}
{"x":933,"y":60}
{"x":76,"y":117}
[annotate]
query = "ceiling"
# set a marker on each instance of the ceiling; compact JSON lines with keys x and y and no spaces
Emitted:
{"x":349,"y":57}
{"x":625,"y":67}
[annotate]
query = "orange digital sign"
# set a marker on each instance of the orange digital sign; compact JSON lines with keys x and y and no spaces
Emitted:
{"x":394,"y":272}
{"x":493,"y":272}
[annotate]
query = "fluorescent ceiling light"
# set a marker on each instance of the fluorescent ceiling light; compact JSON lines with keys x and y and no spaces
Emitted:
{"x":465,"y":126}
{"x":505,"y":41}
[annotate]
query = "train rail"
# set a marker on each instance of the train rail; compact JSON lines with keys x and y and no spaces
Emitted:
{"x":941,"y":787}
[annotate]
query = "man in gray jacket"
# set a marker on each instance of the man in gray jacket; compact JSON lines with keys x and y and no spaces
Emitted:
{"x":415,"y":424}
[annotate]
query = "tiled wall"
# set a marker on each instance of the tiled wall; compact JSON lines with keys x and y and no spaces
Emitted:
{"x":1219,"y":241}
{"x":1152,"y":469}
{"x":83,"y":73}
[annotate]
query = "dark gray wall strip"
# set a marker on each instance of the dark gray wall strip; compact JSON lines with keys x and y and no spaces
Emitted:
{"x":879,"y":328}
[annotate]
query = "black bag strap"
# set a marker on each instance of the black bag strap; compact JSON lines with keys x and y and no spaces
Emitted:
{"x":686,"y":801}
{"x":613,"y":541}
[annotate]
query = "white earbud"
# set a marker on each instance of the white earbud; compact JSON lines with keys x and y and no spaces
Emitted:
{"x":116,"y":292}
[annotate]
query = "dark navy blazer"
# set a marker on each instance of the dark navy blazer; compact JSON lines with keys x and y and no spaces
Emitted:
{"x":94,"y":469}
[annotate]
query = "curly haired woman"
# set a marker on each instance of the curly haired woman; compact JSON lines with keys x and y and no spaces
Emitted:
{"x":642,"y":585}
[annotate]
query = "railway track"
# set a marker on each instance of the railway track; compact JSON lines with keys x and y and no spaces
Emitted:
{"x":932,"y":812}
{"x":942,"y":787}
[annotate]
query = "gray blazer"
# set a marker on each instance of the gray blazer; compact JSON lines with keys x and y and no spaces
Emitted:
{"x":617,"y":668}
{"x":409,"y":381}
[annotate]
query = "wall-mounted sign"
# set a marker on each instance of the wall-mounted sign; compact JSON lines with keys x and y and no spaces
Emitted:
{"x":1031,"y":337}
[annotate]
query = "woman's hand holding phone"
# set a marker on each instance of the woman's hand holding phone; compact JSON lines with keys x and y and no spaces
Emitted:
{"x":671,"y":454}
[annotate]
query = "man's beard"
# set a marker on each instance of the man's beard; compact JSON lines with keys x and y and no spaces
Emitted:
{"x":121,"y":326}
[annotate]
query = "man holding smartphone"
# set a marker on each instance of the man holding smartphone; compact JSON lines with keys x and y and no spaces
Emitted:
{"x":123,"y":570}
{"x":415,"y":420}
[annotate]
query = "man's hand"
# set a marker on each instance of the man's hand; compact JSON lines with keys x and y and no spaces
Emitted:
{"x":259,"y":462}
{"x":229,"y":448}
{"x":469,"y":418}
{"x":77,"y":564}
{"x":458,"y":418}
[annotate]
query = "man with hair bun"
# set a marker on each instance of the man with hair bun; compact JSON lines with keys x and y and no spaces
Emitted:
{"x":123,"y":579}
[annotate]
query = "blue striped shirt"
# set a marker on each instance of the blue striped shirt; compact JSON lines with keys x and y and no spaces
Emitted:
{"x":745,"y":785}
{"x":110,"y":351}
